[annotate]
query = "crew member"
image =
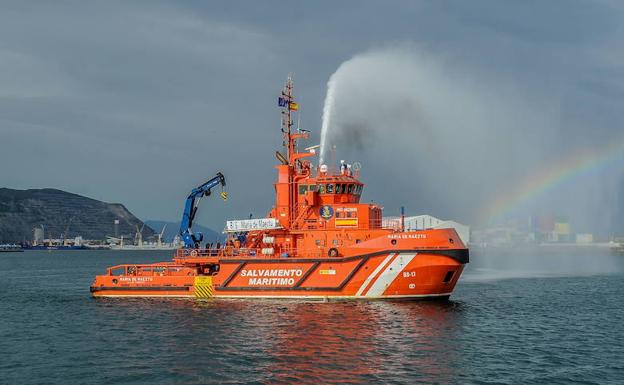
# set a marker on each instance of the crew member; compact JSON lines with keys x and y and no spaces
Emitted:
{"x":343,"y":167}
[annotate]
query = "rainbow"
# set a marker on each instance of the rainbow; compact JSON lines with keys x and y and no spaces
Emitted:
{"x":548,"y":178}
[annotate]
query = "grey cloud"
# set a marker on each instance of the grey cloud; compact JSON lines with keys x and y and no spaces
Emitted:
{"x":138,"y":102}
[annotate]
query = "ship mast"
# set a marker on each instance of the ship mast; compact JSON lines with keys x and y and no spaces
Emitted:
{"x":291,"y":163}
{"x":288,"y":104}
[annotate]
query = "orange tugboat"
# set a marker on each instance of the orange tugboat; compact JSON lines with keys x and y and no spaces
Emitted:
{"x":318,"y":242}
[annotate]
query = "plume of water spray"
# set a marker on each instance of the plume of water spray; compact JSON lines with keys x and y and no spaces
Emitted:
{"x":327,"y":114}
{"x":443,"y":139}
{"x":418,"y":120}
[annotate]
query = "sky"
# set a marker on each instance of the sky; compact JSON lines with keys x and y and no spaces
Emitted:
{"x":138,"y":102}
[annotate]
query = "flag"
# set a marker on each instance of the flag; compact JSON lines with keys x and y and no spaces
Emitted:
{"x":293,"y":106}
{"x":281,"y":102}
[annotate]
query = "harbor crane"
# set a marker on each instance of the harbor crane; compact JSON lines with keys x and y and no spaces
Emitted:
{"x":138,"y":236}
{"x":160,"y":236}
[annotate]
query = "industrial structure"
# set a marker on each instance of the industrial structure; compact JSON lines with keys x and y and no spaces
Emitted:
{"x":424,"y":222}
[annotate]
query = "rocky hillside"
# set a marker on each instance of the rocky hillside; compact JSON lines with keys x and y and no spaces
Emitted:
{"x":59,"y":211}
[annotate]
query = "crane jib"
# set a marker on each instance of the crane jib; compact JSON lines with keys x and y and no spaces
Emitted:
{"x":190,"y":209}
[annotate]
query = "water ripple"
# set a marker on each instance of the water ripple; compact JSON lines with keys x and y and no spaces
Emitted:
{"x":537,"y":330}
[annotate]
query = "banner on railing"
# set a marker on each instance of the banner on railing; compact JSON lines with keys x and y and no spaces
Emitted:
{"x":251,"y":224}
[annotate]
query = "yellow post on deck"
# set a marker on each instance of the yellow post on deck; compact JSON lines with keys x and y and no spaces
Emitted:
{"x":203,"y":286}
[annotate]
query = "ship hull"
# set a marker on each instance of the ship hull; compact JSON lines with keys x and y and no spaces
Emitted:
{"x":398,"y":274}
{"x":57,"y":247}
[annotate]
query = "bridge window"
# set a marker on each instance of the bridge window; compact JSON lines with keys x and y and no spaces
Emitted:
{"x":312,"y":187}
{"x":303,"y":188}
{"x":338,"y":189}
{"x":330,"y":188}
{"x":321,"y":189}
{"x":350,"y":191}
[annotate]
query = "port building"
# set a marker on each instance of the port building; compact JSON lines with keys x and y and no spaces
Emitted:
{"x":425,"y":222}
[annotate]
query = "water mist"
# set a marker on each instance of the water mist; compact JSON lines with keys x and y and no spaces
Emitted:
{"x":442,"y":138}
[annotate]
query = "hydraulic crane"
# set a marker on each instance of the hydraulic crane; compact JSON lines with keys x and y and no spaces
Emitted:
{"x":191,"y":239}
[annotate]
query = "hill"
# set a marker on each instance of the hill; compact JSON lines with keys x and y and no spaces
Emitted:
{"x":59,"y":212}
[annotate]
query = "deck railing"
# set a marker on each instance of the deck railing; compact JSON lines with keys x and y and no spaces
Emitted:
{"x":229,"y":251}
{"x":143,"y":270}
{"x":233,"y":252}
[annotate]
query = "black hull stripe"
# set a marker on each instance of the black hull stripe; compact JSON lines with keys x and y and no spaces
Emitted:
{"x":234,"y":273}
{"x":460,"y":255}
{"x":307,"y":274}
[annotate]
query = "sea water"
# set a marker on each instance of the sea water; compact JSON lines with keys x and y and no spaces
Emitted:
{"x":558,"y":328}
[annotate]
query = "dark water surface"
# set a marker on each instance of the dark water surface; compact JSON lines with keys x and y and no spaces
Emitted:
{"x":558,"y":328}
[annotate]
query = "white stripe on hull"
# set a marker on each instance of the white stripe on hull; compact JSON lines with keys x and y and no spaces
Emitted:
{"x":330,"y":297}
{"x":389,"y":275}
{"x":317,"y":297}
{"x":373,"y":274}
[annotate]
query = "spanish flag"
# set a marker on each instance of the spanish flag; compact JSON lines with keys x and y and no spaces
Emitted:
{"x":293,"y":106}
{"x":346,"y":222}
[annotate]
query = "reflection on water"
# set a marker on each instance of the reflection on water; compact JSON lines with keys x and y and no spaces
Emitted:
{"x":300,"y":341}
{"x":344,"y":341}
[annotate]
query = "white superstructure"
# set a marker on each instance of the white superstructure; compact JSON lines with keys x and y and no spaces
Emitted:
{"x":242,"y":225}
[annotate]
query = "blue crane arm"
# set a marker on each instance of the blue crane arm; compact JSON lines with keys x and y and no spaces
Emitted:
{"x":190,"y":238}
